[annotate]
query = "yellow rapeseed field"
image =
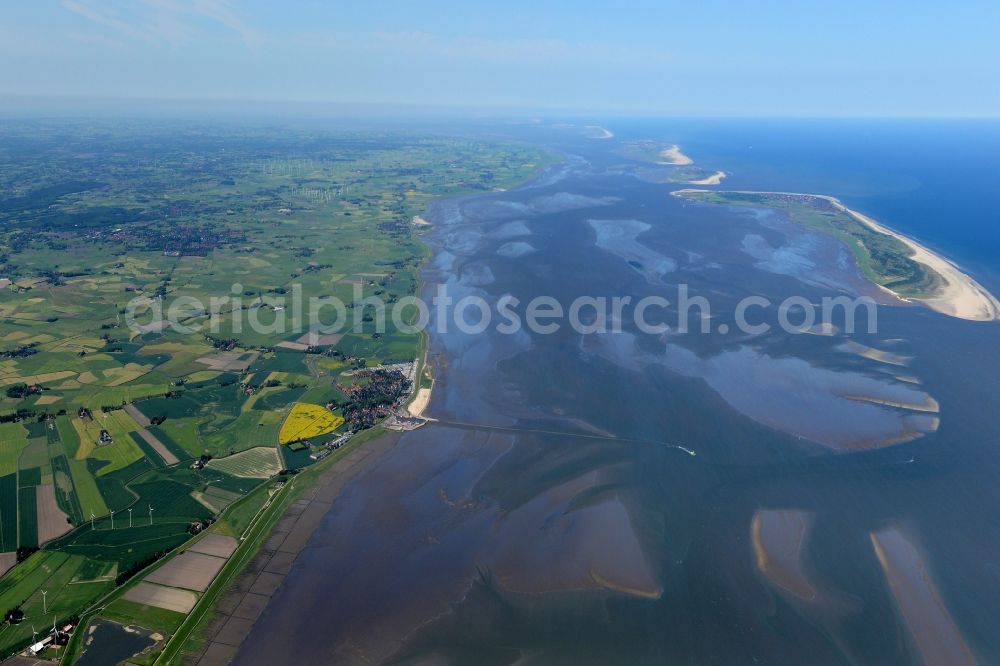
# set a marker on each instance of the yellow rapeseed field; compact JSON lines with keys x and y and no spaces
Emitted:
{"x":305,"y":421}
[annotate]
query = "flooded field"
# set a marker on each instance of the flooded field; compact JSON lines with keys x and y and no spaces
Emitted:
{"x":110,"y":643}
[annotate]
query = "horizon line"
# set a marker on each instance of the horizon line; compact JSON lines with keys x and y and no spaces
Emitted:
{"x":99,"y":103}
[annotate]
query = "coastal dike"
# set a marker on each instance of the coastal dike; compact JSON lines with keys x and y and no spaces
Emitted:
{"x":238,"y":609}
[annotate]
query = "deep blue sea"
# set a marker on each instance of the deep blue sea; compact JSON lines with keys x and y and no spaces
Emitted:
{"x":937,"y":180}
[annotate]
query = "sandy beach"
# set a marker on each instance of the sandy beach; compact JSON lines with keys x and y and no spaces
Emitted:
{"x":422,"y":396}
{"x":420,"y":402}
{"x":960,"y":295}
{"x":673,"y":155}
{"x":714,"y":179}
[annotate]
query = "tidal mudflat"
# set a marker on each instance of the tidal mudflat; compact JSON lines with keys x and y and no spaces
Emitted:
{"x":714,"y":496}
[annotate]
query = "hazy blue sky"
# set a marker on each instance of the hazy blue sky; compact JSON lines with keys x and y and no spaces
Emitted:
{"x":708,"y":57}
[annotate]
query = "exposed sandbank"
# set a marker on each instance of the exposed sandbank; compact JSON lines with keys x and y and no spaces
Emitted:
{"x":929,"y":404}
{"x":872,"y":354}
{"x":597,"y":132}
{"x":824,"y":329}
{"x":574,"y":546}
{"x":931,"y":627}
{"x":714,"y":179}
{"x":674,"y":156}
{"x":778,"y":537}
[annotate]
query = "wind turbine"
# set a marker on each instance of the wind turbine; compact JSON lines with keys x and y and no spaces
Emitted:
{"x":91,"y":520}
{"x":130,"y":518}
{"x":45,"y":607}
{"x":34,"y":635}
{"x":150,"y":514}
{"x":112,"y":520}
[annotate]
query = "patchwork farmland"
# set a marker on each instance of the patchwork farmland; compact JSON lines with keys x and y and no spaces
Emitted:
{"x":118,"y":443}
